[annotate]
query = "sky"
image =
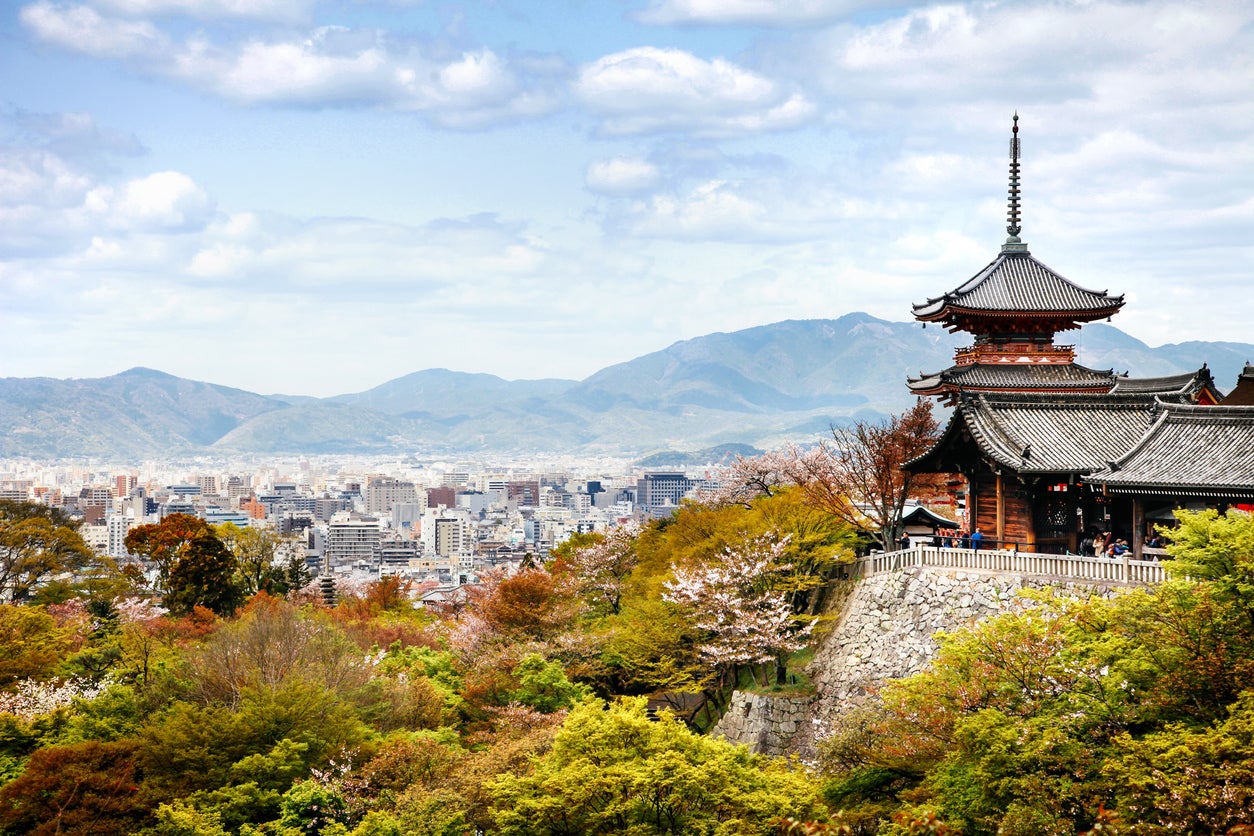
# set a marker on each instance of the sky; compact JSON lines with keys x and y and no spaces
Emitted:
{"x":304,"y":197}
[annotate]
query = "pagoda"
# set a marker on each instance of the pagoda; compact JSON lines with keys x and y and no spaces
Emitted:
{"x":1013,"y":308}
{"x":1052,"y":451}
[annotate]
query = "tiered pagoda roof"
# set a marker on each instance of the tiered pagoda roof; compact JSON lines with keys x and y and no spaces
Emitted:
{"x":1014,"y":377}
{"x":1014,"y":307}
{"x":1015,"y":286}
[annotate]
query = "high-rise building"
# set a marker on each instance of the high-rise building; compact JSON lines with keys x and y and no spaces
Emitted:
{"x":351,"y":538}
{"x":383,"y":493}
{"x":117,"y":526}
{"x":659,"y":494}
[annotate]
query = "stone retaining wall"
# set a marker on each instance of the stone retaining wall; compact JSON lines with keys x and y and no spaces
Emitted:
{"x":886,"y":630}
{"x":763,"y":723}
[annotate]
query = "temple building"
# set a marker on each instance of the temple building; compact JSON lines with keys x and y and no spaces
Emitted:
{"x":1051,"y":450}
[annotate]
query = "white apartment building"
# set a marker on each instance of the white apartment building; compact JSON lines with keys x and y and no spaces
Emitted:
{"x":117,"y":526}
{"x":352,"y":537}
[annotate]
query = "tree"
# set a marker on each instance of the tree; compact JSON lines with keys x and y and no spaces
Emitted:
{"x":858,"y":475}
{"x":37,"y":542}
{"x":749,"y":477}
{"x":601,"y":568}
{"x":31,"y":644}
{"x":88,"y":788}
{"x":195,"y":566}
{"x":269,"y":647}
{"x":614,"y":770}
{"x":267,"y":561}
{"x":747,"y":619}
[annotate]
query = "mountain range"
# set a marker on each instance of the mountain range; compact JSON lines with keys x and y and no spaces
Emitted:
{"x":759,"y":386}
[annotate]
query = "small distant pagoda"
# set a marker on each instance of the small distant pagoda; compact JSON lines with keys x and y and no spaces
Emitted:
{"x":1014,"y":307}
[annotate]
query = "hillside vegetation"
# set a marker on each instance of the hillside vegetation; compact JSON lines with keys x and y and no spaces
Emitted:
{"x":571,"y":697}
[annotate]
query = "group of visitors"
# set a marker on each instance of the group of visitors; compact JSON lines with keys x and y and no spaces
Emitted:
{"x":956,"y":538}
{"x":1104,"y":544}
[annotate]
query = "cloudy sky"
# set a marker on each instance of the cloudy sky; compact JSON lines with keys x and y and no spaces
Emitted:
{"x":314,"y":197}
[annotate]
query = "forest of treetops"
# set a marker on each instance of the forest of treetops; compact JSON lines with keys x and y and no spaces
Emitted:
{"x":574,"y":694}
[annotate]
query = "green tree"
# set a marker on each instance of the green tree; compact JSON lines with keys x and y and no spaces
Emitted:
{"x":31,"y":644}
{"x":544,"y":686}
{"x":267,"y":561}
{"x":1182,"y":780}
{"x":37,"y":542}
{"x":195,"y":566}
{"x":614,"y":770}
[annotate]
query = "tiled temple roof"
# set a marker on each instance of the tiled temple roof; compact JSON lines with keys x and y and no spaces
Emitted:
{"x":1075,"y":434}
{"x":1016,"y":283}
{"x":1203,"y":451}
{"x":1189,"y":383}
{"x":1014,"y":376}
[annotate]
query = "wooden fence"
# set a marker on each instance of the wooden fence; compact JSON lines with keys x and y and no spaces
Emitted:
{"x":1009,"y":562}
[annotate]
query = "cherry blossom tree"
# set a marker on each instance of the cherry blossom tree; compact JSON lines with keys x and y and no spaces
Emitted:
{"x":749,"y":477}
{"x":748,"y":619}
{"x":601,"y":569}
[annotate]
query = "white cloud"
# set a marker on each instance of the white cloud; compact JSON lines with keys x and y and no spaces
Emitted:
{"x":330,"y":66}
{"x":621,"y":175}
{"x":648,"y":89}
{"x":83,"y":29}
{"x":164,"y":200}
{"x":761,"y":12}
{"x":210,"y":9}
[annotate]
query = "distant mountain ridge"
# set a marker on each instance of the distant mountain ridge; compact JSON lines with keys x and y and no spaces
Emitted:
{"x":759,"y":387}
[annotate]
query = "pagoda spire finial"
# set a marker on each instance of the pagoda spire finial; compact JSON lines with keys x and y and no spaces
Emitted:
{"x":1013,"y":243}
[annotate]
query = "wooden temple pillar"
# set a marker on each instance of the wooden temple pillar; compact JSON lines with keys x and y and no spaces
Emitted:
{"x":1001,"y":511}
{"x":1138,"y":527}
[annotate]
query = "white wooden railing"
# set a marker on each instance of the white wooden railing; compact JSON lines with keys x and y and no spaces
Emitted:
{"x":1005,"y":562}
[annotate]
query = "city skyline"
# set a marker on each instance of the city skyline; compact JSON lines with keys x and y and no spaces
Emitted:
{"x":317,"y":197}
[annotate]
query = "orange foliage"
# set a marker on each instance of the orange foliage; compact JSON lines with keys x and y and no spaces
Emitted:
{"x":527,"y":605}
{"x":80,"y":788}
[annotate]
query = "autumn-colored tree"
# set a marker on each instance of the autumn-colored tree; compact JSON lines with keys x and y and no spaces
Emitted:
{"x":528,"y":604}
{"x":270,"y":646}
{"x":88,"y":788}
{"x":195,"y":566}
{"x":384,"y":612}
{"x":37,"y":542}
{"x":857,"y":476}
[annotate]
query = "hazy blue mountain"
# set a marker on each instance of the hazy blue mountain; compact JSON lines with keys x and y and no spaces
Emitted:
{"x":444,"y":393}
{"x":134,"y":414}
{"x":796,"y":365}
{"x":717,"y":455}
{"x":759,"y":387}
{"x":325,"y":427}
{"x":1104,"y":347}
